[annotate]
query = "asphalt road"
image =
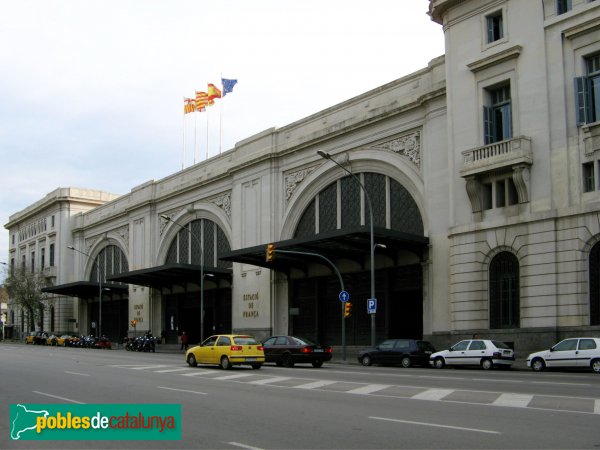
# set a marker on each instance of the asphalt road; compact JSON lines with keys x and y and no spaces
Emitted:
{"x":334,"y":407}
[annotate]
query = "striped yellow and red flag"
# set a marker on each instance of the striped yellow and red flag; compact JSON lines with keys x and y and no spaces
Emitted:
{"x":189,"y":105}
{"x":213,"y":92}
{"x":201,"y":101}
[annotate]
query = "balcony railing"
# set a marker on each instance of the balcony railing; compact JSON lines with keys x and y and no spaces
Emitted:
{"x":496,"y":156}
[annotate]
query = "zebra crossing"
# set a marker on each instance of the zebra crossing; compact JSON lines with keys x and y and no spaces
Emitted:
{"x":498,"y":399}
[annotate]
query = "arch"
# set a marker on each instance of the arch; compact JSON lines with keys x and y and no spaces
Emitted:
{"x":202,"y":241}
{"x":343,"y":205}
{"x":109,"y":260}
{"x":208,"y":212}
{"x":359,"y":161}
{"x":504,"y":290}
{"x":95,"y":250}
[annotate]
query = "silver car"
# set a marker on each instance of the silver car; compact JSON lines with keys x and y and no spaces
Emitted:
{"x":570,"y":353}
{"x":475,"y":352}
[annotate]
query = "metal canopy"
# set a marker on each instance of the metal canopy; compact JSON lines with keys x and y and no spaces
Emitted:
{"x":168,"y":275}
{"x":339,"y":244}
{"x":85,"y":289}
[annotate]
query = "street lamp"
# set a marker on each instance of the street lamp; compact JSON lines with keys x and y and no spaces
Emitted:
{"x":201,"y":243}
{"x":99,"y":288}
{"x":372,"y":246}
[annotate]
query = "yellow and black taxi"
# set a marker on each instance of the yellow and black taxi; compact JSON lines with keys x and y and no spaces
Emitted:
{"x":227,"y":350}
{"x":36,"y":338}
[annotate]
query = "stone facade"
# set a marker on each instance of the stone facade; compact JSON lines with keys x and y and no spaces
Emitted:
{"x":486,"y":142}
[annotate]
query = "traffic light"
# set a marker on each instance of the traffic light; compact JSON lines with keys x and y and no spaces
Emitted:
{"x":347,"y":310}
{"x":270,"y":252}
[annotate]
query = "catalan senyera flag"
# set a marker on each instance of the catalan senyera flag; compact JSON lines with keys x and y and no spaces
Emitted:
{"x":213,"y":92}
{"x":189,"y":105}
{"x":201,"y":101}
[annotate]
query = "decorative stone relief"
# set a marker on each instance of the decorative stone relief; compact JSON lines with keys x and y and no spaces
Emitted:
{"x":473,"y":191}
{"x":294,"y":179}
{"x":123,"y":233}
{"x":521,"y":179}
{"x":224,"y":202}
{"x":408,"y":145}
{"x":163,"y":222}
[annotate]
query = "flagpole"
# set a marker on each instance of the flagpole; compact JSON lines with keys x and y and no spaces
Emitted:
{"x":195,"y":144}
{"x":207,"y":132}
{"x":183,"y":149}
{"x":221,"y":116}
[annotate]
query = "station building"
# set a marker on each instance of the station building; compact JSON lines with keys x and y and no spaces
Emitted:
{"x":468,"y":191}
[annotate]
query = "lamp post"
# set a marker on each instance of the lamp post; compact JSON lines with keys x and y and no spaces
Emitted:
{"x":201,"y":243}
{"x":372,"y":246}
{"x":99,"y":288}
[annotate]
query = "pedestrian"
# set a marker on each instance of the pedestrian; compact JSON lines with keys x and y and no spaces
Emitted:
{"x":184,"y":341}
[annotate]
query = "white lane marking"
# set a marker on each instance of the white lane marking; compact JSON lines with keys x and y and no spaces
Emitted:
{"x":59,"y":398}
{"x":197,"y":373}
{"x":437,"y":425}
{"x":77,"y":373}
{"x":433,"y":394}
{"x":249,"y":447}
{"x":596,"y":406}
{"x":148,"y":367}
{"x":181,"y":390}
{"x":232,"y":377}
{"x":315,"y":384}
{"x":181,"y":369}
{"x":555,"y":382}
{"x":513,"y":400}
{"x":368,"y":389}
{"x":269,"y":380}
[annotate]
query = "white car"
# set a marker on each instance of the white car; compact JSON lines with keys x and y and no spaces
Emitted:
{"x":475,"y":352}
{"x":574,"y":352}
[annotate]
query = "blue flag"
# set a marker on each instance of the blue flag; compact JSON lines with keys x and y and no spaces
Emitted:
{"x":227,"y":85}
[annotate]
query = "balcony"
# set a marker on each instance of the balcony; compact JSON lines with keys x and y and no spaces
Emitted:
{"x":49,"y":272}
{"x":512,"y":156}
{"x":499,"y":155}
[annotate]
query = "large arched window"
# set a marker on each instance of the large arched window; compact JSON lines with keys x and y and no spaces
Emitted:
{"x":594,"y":275}
{"x":504,"y":291}
{"x":112,"y":261}
{"x":200,"y":234}
{"x":342,"y":205}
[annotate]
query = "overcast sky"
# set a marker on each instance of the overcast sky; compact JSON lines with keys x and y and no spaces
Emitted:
{"x":91,"y":91}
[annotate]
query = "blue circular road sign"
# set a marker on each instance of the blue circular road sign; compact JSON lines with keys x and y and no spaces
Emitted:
{"x":344,"y":296}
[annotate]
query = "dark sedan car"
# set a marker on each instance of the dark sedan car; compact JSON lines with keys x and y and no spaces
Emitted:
{"x":406,"y":352}
{"x":289,"y":350}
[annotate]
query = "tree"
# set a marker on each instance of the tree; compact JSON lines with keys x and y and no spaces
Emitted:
{"x":25,"y":290}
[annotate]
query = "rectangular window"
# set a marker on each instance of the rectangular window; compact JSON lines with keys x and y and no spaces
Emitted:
{"x":589,"y":183}
{"x":43,"y":259}
{"x":563,"y":6}
{"x":500,"y":194}
{"x":497,"y":117}
{"x":51,"y":262}
{"x":13,"y":239}
{"x":486,"y":196}
{"x":587,"y":92}
{"x":23,"y":262}
{"x":495,"y":31}
{"x":32,"y":262}
{"x":52,"y":221}
{"x":12,"y":266}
